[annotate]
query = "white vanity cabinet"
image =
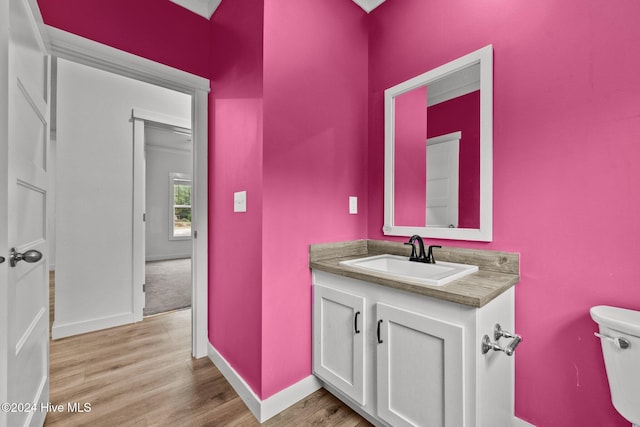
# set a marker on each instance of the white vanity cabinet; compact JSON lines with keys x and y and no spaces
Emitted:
{"x":403,"y":359}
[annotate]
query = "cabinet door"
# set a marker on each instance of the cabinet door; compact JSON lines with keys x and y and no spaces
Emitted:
{"x":419,"y":369}
{"x":339,"y":319}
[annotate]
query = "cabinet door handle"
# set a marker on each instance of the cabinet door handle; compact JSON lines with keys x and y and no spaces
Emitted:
{"x":355,"y":322}
{"x":379,"y":340}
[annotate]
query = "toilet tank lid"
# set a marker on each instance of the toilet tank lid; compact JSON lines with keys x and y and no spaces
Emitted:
{"x":620,"y":319}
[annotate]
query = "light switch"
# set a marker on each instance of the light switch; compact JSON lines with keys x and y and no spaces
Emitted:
{"x":240,"y":201}
{"x":353,"y":205}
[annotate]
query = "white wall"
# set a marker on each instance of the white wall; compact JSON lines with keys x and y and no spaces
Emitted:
{"x":94,"y":193}
{"x":161,"y":161}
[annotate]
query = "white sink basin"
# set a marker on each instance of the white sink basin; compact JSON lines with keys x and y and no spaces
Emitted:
{"x":419,"y":273}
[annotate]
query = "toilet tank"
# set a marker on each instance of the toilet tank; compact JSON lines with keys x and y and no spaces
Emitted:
{"x":622,"y":364}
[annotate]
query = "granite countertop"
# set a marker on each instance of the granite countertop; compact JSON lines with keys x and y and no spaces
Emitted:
{"x":498,"y":271}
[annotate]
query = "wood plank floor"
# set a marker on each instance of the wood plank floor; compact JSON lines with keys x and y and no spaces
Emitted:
{"x":143,"y":375}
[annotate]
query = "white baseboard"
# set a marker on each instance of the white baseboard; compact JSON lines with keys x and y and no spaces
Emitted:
{"x":166,"y":257}
{"x":263,"y":409}
{"x":517,"y":422}
{"x":289,"y":396}
{"x":69,"y":329}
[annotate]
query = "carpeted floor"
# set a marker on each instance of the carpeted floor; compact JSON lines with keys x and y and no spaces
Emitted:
{"x":168,"y":285}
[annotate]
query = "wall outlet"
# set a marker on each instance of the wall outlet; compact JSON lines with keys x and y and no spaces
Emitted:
{"x":240,"y":201}
{"x":353,"y":205}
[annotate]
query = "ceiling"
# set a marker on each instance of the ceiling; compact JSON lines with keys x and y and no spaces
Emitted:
{"x":205,"y":8}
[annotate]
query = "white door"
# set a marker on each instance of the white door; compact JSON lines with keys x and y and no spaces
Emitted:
{"x":443,"y":180}
{"x":24,"y":298}
{"x":339,"y":335}
{"x":419,"y":369}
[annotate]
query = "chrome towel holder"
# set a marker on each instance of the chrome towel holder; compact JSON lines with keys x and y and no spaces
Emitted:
{"x":498,"y":333}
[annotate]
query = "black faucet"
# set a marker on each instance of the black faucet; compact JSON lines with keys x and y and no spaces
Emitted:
{"x":421,"y":256}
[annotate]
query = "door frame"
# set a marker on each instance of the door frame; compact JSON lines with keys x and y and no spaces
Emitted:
{"x":140,"y":119}
{"x":87,"y":52}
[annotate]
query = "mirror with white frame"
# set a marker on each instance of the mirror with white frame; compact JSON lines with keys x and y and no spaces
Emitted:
{"x":439,"y":151}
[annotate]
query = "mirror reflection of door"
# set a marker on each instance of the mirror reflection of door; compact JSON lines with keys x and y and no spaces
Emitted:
{"x":443,"y":166}
{"x":445,"y":106}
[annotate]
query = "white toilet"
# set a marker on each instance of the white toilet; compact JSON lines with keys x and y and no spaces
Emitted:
{"x":620,"y":336}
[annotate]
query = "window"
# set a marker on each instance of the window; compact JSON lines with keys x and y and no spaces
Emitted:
{"x":180,"y":201}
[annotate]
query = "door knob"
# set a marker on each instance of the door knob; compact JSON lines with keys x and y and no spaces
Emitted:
{"x":29,"y":256}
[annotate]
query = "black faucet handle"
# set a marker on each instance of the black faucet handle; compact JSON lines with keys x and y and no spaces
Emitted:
{"x":430,"y":258}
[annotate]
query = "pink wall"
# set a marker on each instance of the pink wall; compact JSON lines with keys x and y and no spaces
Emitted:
{"x":290,"y":132}
{"x":462,"y":114}
{"x":158,"y":30}
{"x":236,"y":164}
{"x":566,"y":120}
{"x":315,"y":157}
{"x":410,"y":158}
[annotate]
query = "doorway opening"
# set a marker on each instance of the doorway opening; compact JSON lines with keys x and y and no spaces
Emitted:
{"x":119,"y":166}
{"x":168,"y":165}
{"x":100,"y":57}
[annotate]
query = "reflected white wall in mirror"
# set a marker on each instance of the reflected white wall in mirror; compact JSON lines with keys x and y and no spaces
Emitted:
{"x":438,"y":151}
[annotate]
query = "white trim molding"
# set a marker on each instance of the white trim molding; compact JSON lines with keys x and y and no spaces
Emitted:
{"x":368,"y":5}
{"x":61,"y":330}
{"x":153,"y":258}
{"x":444,"y":138}
{"x":204,"y":8}
{"x":517,"y":422}
{"x":200,"y":224}
{"x":161,"y":119}
{"x":88,"y":52}
{"x":264,"y":409}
